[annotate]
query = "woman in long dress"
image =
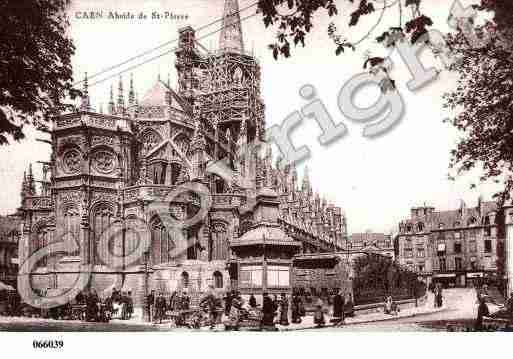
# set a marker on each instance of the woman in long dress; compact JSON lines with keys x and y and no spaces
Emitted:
{"x":296,"y":308}
{"x":319,"y":313}
{"x":284,"y":310}
{"x":234,"y":315}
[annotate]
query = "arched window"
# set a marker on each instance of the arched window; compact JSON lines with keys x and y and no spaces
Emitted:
{"x":219,"y":185}
{"x":175,"y":173}
{"x":71,"y":230}
{"x":219,"y":249}
{"x":157,"y":172}
{"x":135,"y":229}
{"x":420,"y":227}
{"x":218,"y":279}
{"x":161,"y":243}
{"x":103,"y":217}
{"x":409,"y":228}
{"x":40,"y":241}
{"x":472,"y":221}
{"x":182,"y":143}
{"x":487,"y":227}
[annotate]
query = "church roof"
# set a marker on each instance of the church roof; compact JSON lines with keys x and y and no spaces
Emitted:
{"x":158,"y":96}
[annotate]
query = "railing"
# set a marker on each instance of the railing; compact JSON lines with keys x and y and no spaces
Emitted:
{"x":91,"y":120}
{"x":159,"y":193}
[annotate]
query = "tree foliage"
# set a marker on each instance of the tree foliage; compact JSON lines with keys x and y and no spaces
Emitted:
{"x":293,"y":19}
{"x":35,"y":64}
{"x":377,"y":276}
{"x":483,"y":98}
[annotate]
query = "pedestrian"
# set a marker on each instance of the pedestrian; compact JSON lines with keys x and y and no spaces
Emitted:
{"x":319,"y":313}
{"x":284,"y":310}
{"x":235,"y":312}
{"x":209,"y":304}
{"x":276,"y":302}
{"x":92,"y":306}
{"x":439,"y":296}
{"x":173,"y":301}
{"x":268,"y":311}
{"x":186,"y":301}
{"x":482,"y":311}
{"x":160,"y":305}
{"x":338,"y":307}
{"x":123,"y":301}
{"x":252,"y":301}
{"x":228,"y":302}
{"x":150,"y":305}
{"x":129,"y":305}
{"x":296,"y":308}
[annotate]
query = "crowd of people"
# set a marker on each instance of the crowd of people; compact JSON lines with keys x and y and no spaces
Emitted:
{"x":158,"y":305}
{"x":232,"y":310}
{"x":119,"y":304}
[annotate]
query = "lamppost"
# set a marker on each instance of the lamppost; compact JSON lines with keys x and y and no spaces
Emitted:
{"x":146,"y":305}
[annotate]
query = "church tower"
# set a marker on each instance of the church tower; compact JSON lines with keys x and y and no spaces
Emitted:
{"x":222,"y":87}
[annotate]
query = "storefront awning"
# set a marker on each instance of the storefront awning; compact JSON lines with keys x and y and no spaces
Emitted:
{"x":448,"y":275}
{"x":475,"y":275}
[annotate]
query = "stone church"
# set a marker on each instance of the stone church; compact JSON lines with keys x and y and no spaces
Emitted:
{"x":113,"y":173}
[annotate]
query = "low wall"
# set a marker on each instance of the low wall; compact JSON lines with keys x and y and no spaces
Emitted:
{"x":378,"y":307}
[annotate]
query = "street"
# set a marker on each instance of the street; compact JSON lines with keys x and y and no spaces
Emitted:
{"x":459,"y":304}
{"x":461,"y":309}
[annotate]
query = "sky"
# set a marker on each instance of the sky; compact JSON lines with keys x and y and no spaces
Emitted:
{"x":375,"y":181}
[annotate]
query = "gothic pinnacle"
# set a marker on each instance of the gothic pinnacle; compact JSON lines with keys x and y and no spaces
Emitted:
{"x":112,"y":108}
{"x":120,"y":110}
{"x":85,"y":104}
{"x":131,"y":92}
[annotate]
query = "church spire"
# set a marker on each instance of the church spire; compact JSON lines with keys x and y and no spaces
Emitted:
{"x":231,"y":39}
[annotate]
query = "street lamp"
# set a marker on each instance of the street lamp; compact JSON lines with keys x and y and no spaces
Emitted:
{"x":146,"y":305}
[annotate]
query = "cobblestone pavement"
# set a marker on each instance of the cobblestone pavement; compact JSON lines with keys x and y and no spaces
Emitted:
{"x":459,"y":307}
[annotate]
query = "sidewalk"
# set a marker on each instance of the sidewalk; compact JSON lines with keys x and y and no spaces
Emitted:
{"x":425,"y":309}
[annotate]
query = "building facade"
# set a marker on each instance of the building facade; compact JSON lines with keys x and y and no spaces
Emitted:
{"x":117,"y":174}
{"x":455,"y":247}
{"x":379,"y":243}
{"x":9,"y":237}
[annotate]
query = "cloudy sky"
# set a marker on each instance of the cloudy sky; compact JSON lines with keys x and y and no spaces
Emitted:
{"x":376,"y":181}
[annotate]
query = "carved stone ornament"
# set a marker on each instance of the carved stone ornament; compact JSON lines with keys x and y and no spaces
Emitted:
{"x":151,"y":138}
{"x":237,"y":76}
{"x":71,"y":161}
{"x":218,"y":227}
{"x":104,"y":162}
